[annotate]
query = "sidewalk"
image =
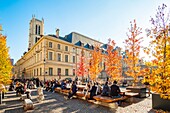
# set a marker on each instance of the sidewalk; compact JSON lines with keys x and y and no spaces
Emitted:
{"x":55,"y":103}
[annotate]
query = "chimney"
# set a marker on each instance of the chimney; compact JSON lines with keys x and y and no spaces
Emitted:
{"x":57,"y":33}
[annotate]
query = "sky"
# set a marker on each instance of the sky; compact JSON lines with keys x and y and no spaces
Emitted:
{"x":97,"y":19}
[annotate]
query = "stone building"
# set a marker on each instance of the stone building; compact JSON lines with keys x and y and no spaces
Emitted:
{"x":52,"y":56}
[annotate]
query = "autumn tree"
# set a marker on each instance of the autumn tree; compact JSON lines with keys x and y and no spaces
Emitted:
{"x":95,"y":62}
{"x":113,"y":61}
{"x":5,"y":64}
{"x":82,"y":66}
{"x":159,"y":48}
{"x":132,"y":45}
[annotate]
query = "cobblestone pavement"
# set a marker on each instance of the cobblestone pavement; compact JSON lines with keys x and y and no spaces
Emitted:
{"x":55,"y":103}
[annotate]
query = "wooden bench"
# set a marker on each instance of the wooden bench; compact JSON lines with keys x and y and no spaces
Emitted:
{"x":82,"y":95}
{"x":58,"y":89}
{"x":28,"y":104}
{"x":108,"y":101}
{"x":65,"y":91}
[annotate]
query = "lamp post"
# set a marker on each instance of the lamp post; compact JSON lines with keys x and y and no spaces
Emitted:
{"x":44,"y":70}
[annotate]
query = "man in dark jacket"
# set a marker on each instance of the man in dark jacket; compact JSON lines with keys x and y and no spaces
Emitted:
{"x":93,"y":91}
{"x":115,"y":91}
{"x":73,"y":89}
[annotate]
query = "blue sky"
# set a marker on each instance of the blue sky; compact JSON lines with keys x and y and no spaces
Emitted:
{"x":98,"y":19}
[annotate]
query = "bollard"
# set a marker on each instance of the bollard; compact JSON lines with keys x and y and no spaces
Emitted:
{"x":1,"y":97}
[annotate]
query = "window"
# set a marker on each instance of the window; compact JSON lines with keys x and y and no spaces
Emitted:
{"x":40,"y":71}
{"x":50,"y":71}
{"x":36,"y":29}
{"x":50,"y":56}
{"x":74,"y":72}
{"x":66,"y":48}
{"x":59,"y":71}
{"x":39,"y":30}
{"x":37,"y":71}
{"x":34,"y":72}
{"x":50,"y":44}
{"x":58,"y":46}
{"x":59,"y":57}
{"x":66,"y":58}
{"x":66,"y":72}
{"x":73,"y":59}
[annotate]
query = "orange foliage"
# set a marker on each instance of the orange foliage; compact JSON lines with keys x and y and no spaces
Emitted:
{"x":113,"y":61}
{"x":94,"y":64}
{"x":132,"y":45}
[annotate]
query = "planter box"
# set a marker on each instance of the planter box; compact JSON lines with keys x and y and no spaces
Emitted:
{"x":138,"y":89}
{"x":159,"y":103}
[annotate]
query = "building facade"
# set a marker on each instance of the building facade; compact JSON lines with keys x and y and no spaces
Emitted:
{"x":52,"y":56}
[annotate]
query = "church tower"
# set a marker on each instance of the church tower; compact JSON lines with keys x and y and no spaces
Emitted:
{"x":36,"y":31}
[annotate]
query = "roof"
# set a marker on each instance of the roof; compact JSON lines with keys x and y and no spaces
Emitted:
{"x":61,"y":38}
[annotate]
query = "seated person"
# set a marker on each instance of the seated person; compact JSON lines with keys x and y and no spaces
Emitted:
{"x":56,"y":84}
{"x":106,"y":89}
{"x":68,"y":85}
{"x":73,"y":90}
{"x":11,"y":88}
{"x":19,"y":89}
{"x":98,"y":91}
{"x":63,"y":85}
{"x":93,"y":91}
{"x":115,"y":91}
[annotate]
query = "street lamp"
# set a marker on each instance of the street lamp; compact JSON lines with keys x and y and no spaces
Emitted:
{"x":44,"y":69}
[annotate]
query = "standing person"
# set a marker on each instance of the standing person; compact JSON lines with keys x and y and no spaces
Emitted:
{"x":73,"y":89}
{"x":93,"y":92}
{"x":115,"y":91}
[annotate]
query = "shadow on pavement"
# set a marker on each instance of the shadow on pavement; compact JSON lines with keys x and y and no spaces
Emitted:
{"x":53,"y":103}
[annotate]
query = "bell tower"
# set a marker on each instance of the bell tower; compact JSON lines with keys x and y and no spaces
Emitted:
{"x":36,"y":30}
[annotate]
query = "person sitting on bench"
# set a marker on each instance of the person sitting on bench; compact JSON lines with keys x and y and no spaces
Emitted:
{"x":115,"y":91}
{"x":93,"y":91}
{"x":73,"y":89}
{"x":106,"y":89}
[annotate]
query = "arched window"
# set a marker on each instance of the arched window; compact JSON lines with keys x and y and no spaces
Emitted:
{"x":39,"y":30}
{"x":36,"y":29}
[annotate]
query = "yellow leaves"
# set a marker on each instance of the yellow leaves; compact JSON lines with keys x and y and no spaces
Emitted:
{"x":5,"y":64}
